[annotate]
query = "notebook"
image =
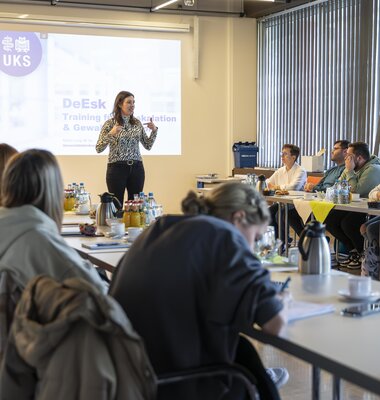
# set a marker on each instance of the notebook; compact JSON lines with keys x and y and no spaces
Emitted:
{"x":106,"y":245}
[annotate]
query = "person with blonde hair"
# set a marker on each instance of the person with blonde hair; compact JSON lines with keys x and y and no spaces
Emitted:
{"x":191,"y":283}
{"x":30,"y":222}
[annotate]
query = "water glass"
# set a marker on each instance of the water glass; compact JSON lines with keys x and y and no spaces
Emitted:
{"x":264,"y":246}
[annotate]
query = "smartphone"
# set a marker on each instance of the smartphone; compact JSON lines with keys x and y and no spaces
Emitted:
{"x":361,"y":310}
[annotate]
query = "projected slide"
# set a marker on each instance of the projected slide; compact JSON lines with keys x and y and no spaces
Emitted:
{"x":56,"y":90}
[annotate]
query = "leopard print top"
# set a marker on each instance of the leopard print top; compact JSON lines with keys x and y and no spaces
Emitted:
{"x":125,"y":145}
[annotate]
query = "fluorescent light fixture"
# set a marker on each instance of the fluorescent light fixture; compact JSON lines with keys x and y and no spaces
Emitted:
{"x":167,"y":3}
{"x":15,"y":18}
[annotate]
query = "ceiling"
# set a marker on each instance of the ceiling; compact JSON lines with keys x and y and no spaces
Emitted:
{"x":247,"y":8}
{"x":257,"y":9}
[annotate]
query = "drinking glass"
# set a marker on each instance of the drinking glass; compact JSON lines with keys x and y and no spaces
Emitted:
{"x":265,"y":245}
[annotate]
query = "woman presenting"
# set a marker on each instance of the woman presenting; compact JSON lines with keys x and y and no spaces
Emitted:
{"x":122,"y":134}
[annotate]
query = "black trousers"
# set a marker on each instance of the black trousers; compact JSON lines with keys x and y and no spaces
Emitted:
{"x":121,"y":176}
{"x":345,"y":226}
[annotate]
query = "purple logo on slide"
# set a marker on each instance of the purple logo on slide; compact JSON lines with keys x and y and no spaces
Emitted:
{"x":20,"y":53}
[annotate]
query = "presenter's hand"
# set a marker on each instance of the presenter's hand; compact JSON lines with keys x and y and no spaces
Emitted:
{"x":116,"y":130}
{"x":378,"y":195}
{"x":151,"y":125}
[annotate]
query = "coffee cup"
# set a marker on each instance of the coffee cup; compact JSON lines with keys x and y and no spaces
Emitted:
{"x":359,"y":286}
{"x":133,"y":233}
{"x":117,"y":228}
{"x":308,"y":195}
{"x":355,"y":196}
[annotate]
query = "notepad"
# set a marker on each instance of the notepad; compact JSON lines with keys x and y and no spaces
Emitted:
{"x":302,"y":309}
{"x":106,"y":245}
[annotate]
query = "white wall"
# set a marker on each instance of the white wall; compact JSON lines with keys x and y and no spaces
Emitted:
{"x":218,"y":108}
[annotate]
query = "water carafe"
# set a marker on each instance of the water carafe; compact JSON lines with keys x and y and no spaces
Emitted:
{"x":106,"y":210}
{"x":314,"y":250}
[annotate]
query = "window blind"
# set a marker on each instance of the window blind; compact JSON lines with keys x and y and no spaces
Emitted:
{"x":319,"y":78}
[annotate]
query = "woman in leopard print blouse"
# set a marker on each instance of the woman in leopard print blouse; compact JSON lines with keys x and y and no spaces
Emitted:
{"x":123,"y":133}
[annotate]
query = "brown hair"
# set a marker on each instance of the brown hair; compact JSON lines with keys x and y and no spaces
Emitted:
{"x":223,"y":201}
{"x":33,"y":177}
{"x":360,"y":149}
{"x":117,"y":108}
{"x":6,"y":152}
{"x":294,"y":150}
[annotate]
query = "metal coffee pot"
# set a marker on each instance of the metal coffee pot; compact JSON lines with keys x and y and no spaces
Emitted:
{"x":314,"y":250}
{"x":106,"y":210}
{"x":261,"y":183}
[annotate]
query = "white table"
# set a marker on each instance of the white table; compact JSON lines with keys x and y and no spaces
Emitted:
{"x":103,"y":258}
{"x":107,"y":261}
{"x":361,"y":207}
{"x":348,"y":348}
{"x":71,"y":218}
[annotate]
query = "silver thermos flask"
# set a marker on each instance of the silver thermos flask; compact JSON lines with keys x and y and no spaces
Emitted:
{"x":314,"y":250}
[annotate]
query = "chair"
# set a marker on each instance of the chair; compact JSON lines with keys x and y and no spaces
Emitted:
{"x":313,"y":179}
{"x":213,"y":371}
{"x":248,"y":370}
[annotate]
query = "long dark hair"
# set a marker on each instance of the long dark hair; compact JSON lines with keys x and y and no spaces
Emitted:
{"x":117,"y":108}
{"x":33,"y":177}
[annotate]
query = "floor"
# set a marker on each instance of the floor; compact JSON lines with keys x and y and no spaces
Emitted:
{"x":299,"y":384}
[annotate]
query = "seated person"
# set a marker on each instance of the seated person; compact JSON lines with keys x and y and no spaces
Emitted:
{"x":191,"y":283}
{"x":6,"y":152}
{"x":338,"y":155}
{"x":30,"y":222}
{"x":370,"y":230}
{"x":289,"y":177}
{"x":362,"y":171}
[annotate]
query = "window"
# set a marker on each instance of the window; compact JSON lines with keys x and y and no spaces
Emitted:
{"x":319,"y":78}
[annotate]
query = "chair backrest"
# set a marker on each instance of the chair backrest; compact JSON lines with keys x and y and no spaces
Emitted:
{"x":230,"y":371}
{"x":313,"y":179}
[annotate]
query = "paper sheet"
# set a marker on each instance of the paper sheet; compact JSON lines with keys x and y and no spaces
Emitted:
{"x":302,"y":309}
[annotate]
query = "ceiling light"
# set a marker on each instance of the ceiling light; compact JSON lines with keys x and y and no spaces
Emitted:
{"x":189,"y":3}
{"x":93,"y":23}
{"x":167,"y":3}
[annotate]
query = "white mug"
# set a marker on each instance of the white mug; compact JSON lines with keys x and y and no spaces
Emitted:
{"x":118,"y":228}
{"x":355,"y":196}
{"x":359,"y":285}
{"x":308,"y":195}
{"x":133,"y":232}
{"x":83,"y":208}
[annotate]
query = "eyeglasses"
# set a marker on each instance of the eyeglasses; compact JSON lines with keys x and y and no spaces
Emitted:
{"x":337,"y":148}
{"x":284,"y":154}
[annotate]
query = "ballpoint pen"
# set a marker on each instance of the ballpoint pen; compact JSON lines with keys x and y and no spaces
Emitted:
{"x":285,"y":284}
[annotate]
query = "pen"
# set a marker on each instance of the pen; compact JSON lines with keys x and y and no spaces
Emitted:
{"x":285,"y":284}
